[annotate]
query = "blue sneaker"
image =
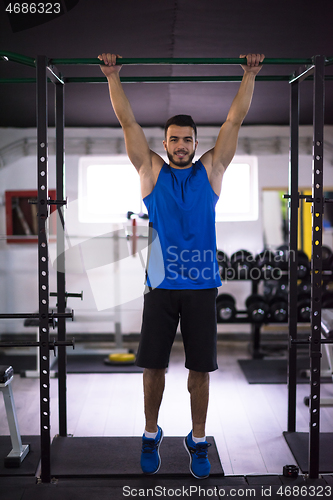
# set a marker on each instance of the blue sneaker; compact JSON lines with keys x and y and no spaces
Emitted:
{"x":199,"y":463}
{"x":150,"y":456}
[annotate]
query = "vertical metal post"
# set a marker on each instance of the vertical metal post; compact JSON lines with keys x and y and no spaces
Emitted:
{"x":61,"y":281}
{"x":293,"y":234}
{"x":316,"y":274}
{"x":43,"y":271}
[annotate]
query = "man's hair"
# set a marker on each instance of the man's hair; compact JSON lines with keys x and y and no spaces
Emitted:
{"x":181,"y":121}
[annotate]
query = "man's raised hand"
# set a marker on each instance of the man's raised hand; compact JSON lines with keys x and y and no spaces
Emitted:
{"x":254,"y":63}
{"x":109,"y":66}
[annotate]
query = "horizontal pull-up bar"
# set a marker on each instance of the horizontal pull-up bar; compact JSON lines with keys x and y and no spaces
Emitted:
{"x":163,"y":79}
{"x":30,"y":61}
{"x":11,"y":56}
{"x":178,"y":60}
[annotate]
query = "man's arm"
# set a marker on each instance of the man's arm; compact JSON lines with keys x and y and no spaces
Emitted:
{"x":136,"y":143}
{"x":217,"y":159}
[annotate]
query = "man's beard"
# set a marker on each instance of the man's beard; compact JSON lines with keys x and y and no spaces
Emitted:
{"x":181,"y":163}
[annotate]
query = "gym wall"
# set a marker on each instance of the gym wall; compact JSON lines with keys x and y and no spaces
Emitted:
{"x":18,"y":262}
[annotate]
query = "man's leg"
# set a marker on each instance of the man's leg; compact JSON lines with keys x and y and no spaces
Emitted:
{"x":153,"y":388}
{"x":195,"y":443}
{"x":198,"y":387}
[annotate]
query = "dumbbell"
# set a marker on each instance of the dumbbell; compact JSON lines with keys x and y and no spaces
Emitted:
{"x":265,"y":262}
{"x":242,"y":262}
{"x":257,"y":308}
{"x":278,"y":307}
{"x":281,"y":257}
{"x":225,"y":308}
{"x":326,"y":256}
{"x":223,"y":262}
{"x":304,"y":287}
{"x":304,"y":307}
{"x":303,"y":265}
{"x":327,"y":300}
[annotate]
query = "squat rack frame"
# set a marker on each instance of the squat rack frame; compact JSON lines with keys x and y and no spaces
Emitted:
{"x":46,"y":71}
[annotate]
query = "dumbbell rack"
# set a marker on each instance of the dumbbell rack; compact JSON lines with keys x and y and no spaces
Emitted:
{"x":241,"y":317}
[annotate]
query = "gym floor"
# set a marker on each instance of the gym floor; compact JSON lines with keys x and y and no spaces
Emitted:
{"x":246,"y":420}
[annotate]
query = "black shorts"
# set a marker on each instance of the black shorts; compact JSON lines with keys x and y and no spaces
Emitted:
{"x":196,"y":310}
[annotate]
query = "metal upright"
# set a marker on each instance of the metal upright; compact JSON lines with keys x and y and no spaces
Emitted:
{"x":293,"y":233}
{"x":316,"y":275}
{"x":43,"y":270}
{"x":61,"y":279}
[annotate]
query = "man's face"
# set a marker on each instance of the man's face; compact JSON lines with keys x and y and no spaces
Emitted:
{"x":180,"y":145}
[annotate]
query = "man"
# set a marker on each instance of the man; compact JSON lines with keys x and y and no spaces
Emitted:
{"x":180,"y":198}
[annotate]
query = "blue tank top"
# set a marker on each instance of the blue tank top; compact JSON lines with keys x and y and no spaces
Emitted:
{"x":181,"y":209}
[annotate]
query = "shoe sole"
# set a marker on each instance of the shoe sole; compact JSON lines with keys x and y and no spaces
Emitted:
{"x":190,"y":455}
{"x":159,"y":457}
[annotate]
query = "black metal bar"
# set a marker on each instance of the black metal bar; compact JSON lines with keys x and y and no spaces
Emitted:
{"x":255,"y":329}
{"x":316,"y":275}
{"x":61,"y":280}
{"x":26,"y":343}
{"x":43,"y":272}
{"x":293,"y":233}
{"x":35,"y":315}
{"x":60,"y":203}
{"x":69,"y":294}
{"x":322,"y":341}
{"x":162,"y":79}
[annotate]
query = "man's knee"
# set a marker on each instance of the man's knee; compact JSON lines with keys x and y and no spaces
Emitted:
{"x":197,"y":379}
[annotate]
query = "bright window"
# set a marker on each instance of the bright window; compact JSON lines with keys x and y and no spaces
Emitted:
{"x":239,"y":195}
{"x":109,"y":187}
